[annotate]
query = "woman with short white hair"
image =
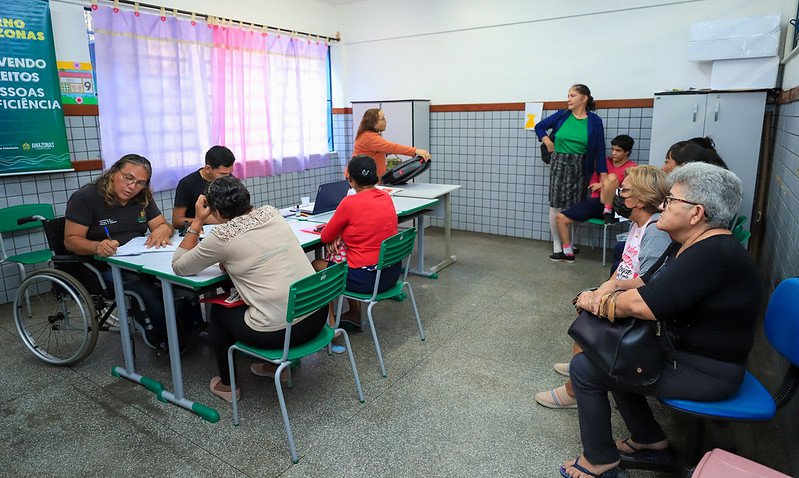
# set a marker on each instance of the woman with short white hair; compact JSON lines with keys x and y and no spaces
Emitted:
{"x":706,"y":296}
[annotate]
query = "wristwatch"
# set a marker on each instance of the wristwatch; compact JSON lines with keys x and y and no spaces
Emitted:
{"x":189,"y":230}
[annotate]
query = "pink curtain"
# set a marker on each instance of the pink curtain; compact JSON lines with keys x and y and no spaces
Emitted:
{"x":171,"y":88}
{"x":269,"y":101}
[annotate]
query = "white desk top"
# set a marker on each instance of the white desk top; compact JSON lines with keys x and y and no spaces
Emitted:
{"x":426,"y":190}
{"x":403,"y":206}
{"x":159,"y":264}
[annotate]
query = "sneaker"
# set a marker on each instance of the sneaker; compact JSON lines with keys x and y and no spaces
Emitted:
{"x":562,"y":368}
{"x":609,"y":218}
{"x":561,"y":257}
{"x":147,"y":330}
{"x":337,"y":349}
{"x":262,"y":370}
{"x":556,"y":398}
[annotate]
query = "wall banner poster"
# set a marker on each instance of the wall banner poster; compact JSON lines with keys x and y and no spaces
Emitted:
{"x":32,"y":133}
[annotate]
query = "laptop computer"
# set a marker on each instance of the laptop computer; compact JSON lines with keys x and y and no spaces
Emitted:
{"x":328,"y":196}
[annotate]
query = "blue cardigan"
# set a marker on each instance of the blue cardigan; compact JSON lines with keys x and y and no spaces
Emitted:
{"x":594,"y":159}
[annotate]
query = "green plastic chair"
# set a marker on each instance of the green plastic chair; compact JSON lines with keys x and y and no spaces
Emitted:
{"x":306,"y":296}
{"x":738,"y":229}
{"x":601,"y":222}
{"x":739,"y":221}
{"x":392,"y":251}
{"x":741,"y":234}
{"x":8,"y":224}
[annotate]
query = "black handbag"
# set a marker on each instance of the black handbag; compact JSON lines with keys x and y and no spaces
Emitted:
{"x":630,"y":350}
{"x":546,"y":156}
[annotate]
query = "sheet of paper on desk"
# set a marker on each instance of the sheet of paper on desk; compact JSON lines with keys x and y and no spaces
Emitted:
{"x":390,"y":190}
{"x":136,"y":246}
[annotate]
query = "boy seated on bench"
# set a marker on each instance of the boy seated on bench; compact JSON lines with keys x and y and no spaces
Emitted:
{"x":600,"y":204}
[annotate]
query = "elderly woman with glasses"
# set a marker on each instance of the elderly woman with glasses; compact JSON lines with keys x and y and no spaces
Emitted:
{"x":111,"y":211}
{"x":706,"y":296}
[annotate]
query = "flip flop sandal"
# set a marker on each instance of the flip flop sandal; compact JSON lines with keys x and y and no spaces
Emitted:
{"x":612,"y":473}
{"x":648,"y":459}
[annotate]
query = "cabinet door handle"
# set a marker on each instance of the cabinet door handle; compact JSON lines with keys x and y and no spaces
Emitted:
{"x":696,"y":110}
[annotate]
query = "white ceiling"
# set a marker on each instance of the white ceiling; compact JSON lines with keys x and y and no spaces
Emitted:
{"x":339,"y":2}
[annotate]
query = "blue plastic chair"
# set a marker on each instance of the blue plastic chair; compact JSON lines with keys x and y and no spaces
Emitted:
{"x":752,"y":402}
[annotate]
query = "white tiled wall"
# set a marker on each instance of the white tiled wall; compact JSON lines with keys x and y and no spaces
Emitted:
{"x":505,"y":183}
{"x":83,"y":134}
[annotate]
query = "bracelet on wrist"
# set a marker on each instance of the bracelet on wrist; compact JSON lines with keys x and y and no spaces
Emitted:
{"x":189,"y":230}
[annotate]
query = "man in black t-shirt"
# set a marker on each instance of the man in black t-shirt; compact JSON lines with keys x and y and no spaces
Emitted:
{"x":218,"y":163}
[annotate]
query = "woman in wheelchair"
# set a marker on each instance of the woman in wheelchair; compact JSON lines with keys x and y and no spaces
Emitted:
{"x":706,"y":296}
{"x":109,"y":212}
{"x":261,"y":254}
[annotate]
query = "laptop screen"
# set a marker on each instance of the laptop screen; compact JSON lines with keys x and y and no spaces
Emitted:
{"x":329,"y":196}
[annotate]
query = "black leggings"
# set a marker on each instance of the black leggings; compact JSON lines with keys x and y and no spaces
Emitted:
{"x":226,"y":326}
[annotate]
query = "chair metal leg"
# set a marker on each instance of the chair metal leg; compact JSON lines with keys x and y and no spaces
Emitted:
{"x":416,"y":312}
{"x":604,"y":244}
{"x":358,"y":387}
{"x":234,"y":404}
{"x":374,"y":338}
{"x":289,"y":435}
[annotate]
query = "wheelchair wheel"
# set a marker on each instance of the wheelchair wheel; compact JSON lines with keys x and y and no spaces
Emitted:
{"x":55,"y":317}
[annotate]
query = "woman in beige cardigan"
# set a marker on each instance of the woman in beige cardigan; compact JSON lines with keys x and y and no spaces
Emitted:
{"x":263,"y":258}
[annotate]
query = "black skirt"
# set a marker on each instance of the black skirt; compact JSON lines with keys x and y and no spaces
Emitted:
{"x":567,"y":184}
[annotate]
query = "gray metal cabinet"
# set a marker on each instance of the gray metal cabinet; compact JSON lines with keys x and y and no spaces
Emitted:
{"x":733,"y":119}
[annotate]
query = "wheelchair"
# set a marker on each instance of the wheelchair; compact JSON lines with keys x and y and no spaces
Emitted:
{"x":59,"y":311}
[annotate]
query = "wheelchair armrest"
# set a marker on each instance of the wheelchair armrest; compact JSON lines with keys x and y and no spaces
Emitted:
{"x":70,"y":259}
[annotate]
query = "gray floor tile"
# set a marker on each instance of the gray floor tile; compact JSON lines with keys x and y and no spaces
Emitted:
{"x":458,"y":404}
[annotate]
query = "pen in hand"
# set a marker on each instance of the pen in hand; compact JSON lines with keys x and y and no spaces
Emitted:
{"x":107,"y":234}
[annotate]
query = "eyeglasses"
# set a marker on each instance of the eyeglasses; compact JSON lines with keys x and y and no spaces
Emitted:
{"x":672,"y":198}
{"x":622,"y":190}
{"x":669,"y":199}
{"x":130,"y":179}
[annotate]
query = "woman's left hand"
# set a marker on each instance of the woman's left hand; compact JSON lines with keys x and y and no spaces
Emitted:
{"x":588,"y":300}
{"x":332,"y":248}
{"x":159,"y":237}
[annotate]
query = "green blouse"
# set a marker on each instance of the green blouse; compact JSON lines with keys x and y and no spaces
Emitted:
{"x":572,"y":137}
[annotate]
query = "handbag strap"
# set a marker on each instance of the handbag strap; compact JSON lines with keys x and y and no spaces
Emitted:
{"x":661,"y":260}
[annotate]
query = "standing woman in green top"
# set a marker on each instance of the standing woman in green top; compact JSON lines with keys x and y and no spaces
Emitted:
{"x":577,"y":144}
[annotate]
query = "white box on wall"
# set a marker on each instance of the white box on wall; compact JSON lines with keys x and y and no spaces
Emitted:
{"x":748,"y":37}
{"x":747,"y":73}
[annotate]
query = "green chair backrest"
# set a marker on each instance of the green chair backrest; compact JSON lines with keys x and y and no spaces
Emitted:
{"x":741,"y":234}
{"x":9,"y":216}
{"x":311,"y":293}
{"x":396,"y":248}
{"x":738,"y":222}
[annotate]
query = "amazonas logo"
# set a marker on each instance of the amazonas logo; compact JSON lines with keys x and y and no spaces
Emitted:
{"x":26,"y":146}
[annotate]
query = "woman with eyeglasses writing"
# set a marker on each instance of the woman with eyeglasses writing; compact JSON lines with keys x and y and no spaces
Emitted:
{"x":111,"y":211}
{"x":705,"y":296}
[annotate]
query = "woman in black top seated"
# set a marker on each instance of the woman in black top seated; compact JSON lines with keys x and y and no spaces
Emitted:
{"x":707,"y":295}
